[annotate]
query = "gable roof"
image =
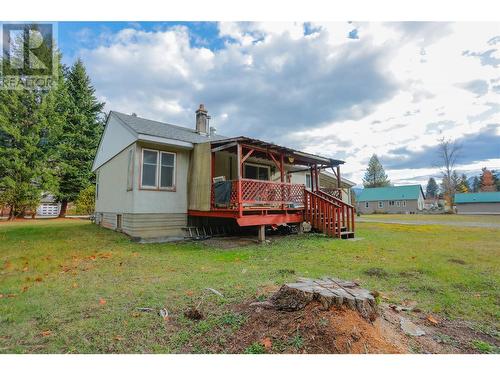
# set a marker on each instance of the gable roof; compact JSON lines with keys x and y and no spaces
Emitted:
{"x":483,"y":197}
{"x":406,"y":192}
{"x":162,"y":129}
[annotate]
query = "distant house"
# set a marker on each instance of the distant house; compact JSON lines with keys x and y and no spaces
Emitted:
{"x":391,"y":199}
{"x":478,"y":203}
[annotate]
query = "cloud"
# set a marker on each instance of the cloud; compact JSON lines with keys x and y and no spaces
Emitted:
{"x":343,"y":90}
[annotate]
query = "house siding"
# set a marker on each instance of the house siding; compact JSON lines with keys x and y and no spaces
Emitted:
{"x":411,"y":206}
{"x":145,"y":213}
{"x":488,"y":208}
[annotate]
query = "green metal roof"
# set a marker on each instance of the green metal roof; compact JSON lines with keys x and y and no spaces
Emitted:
{"x":484,"y":197}
{"x":390,"y":193}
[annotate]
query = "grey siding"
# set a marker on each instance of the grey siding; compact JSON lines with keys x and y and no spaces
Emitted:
{"x":146,"y":226}
{"x":478,"y":208}
{"x":411,"y":206}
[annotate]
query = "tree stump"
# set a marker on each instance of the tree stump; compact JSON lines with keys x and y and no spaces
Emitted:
{"x":329,"y":292}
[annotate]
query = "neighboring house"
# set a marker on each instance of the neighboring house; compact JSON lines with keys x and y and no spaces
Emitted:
{"x":48,"y":207}
{"x":478,"y":203}
{"x":391,"y":199}
{"x":153,"y":179}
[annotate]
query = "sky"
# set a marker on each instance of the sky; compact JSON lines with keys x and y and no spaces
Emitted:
{"x":341,"y":90}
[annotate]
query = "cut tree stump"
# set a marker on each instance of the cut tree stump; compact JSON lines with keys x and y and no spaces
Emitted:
{"x":329,"y":292}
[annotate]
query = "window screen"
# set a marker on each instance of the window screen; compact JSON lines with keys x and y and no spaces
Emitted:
{"x":149,"y":163}
{"x":167,"y":170}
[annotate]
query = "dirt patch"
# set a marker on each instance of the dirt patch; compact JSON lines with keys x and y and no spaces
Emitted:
{"x":230,"y":242}
{"x":376,"y":271}
{"x":457,"y":261}
{"x":311,"y":330}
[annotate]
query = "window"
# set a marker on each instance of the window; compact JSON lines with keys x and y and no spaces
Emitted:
{"x":398,"y":203}
{"x":158,"y":169}
{"x":167,"y":168}
{"x":380,"y":204}
{"x":404,"y":203}
{"x":149,"y":167}
{"x":308,"y":181}
{"x":130,"y":170}
{"x":257,"y":172}
{"x":97,"y":185}
{"x":367,"y":204}
{"x":391,"y":203}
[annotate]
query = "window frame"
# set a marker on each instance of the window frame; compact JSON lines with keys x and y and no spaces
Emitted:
{"x":367,"y":204}
{"x":130,"y":169}
{"x":97,"y":185}
{"x":404,"y":203}
{"x":398,"y":203}
{"x":308,"y":178}
{"x":167,"y":188}
{"x":380,"y":204}
{"x":157,"y":186}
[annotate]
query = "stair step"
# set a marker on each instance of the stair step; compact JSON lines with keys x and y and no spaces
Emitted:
{"x":345,"y":235}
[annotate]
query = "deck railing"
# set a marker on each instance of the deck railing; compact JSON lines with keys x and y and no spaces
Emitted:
{"x":248,"y":193}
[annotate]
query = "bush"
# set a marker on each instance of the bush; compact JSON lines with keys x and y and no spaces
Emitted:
{"x":85,"y":203}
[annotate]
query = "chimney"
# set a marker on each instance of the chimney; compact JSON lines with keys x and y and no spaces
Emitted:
{"x":212,"y":131}
{"x":202,"y":118}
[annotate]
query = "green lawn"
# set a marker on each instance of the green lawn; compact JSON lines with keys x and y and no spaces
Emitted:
{"x":71,"y":286}
{"x":493,"y":219}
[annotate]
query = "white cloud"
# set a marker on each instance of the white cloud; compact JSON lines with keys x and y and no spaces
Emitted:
{"x":398,"y":87}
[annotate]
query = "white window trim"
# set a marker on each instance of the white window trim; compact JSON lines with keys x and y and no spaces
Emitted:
{"x":398,"y":203}
{"x":310,"y":181}
{"x":173,"y":172}
{"x":97,"y":185}
{"x":258,"y":166}
{"x":158,"y":171}
{"x":155,"y":186}
{"x":367,"y":204}
{"x":404,"y":203}
{"x":380,"y":204}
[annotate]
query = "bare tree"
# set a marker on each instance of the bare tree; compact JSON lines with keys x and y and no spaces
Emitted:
{"x":448,"y":153}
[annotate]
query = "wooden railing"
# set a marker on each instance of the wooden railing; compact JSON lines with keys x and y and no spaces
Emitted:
{"x":328,"y":214}
{"x":247,"y":192}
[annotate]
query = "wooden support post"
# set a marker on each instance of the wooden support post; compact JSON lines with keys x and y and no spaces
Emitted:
{"x":316,"y":176}
{"x":338,"y":177}
{"x":212,"y":175}
{"x":240,"y":174}
{"x":262,"y":233}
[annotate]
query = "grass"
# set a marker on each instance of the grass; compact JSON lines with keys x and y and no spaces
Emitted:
{"x":72,"y":287}
{"x":490,"y":219}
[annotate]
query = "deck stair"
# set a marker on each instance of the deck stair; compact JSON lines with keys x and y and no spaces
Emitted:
{"x":329,"y":214}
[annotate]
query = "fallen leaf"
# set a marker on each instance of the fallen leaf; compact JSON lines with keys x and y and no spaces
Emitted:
{"x":38,"y":279}
{"x":92,"y":257}
{"x":433,"y":320}
{"x":189,"y":292}
{"x":1,"y":295}
{"x":135,"y":254}
{"x":46,"y":333}
{"x":135,"y":314}
{"x":102,"y":301}
{"x":118,"y":338}
{"x":266,"y":341}
{"x":25,"y":269}
{"x":11,"y":295}
{"x":25,"y":288}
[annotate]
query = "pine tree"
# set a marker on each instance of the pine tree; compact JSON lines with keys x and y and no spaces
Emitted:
{"x":432,"y":189}
{"x":487,"y":181}
{"x":80,"y":136}
{"x":463,"y":185}
{"x":375,"y":175}
{"x":25,"y":170}
{"x":476,"y":184}
{"x":496,"y":178}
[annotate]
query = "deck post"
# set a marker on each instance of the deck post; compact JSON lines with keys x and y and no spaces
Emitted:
{"x":212,"y":175}
{"x":262,"y":233}
{"x":338,"y":177}
{"x":240,"y":173}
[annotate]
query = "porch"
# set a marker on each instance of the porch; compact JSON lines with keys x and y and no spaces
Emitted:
{"x":255,"y":183}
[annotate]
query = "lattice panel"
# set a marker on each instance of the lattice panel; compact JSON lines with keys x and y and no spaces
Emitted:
{"x":270,"y":192}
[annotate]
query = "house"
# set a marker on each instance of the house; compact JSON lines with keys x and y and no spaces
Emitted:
{"x":48,"y":207}
{"x":154,"y":180}
{"x":478,"y":203}
{"x":391,"y":199}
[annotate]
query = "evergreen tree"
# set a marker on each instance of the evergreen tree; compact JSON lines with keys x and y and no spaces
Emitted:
{"x":25,"y":170}
{"x":476,"y":184}
{"x":80,"y":136}
{"x":496,"y":178}
{"x":432,"y":189}
{"x":375,"y":175}
{"x":463,"y":185}
{"x":487,"y":181}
